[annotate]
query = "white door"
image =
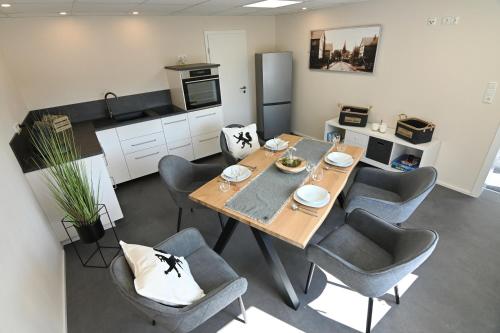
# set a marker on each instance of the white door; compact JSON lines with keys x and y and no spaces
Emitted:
{"x":229,"y":49}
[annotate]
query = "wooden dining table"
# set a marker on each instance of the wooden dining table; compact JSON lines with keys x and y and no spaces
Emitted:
{"x":295,"y":227}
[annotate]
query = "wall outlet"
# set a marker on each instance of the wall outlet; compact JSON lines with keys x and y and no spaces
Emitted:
{"x":450,"y":20}
{"x":432,"y":20}
{"x":489,"y":93}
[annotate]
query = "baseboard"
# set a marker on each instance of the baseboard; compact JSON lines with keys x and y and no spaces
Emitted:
{"x":456,"y":188}
{"x":64,"y":300}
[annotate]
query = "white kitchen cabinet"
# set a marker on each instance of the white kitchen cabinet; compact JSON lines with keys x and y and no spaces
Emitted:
{"x":205,"y":121}
{"x":139,"y":129}
{"x":100,"y":179}
{"x":176,"y":128}
{"x":206,"y":144}
{"x":145,"y":162}
{"x":142,"y":142}
{"x":110,"y":144}
{"x":182,"y":148}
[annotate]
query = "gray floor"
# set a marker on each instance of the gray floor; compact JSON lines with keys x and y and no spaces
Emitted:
{"x":457,"y":289}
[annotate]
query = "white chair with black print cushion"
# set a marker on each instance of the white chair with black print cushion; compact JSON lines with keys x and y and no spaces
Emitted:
{"x":370,"y":255}
{"x":243,"y":141}
{"x":182,"y":178}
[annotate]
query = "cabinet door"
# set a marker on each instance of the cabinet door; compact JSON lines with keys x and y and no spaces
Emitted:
{"x":182,"y":148}
{"x":142,"y":142}
{"x":143,"y":128}
{"x":113,"y":155}
{"x":176,"y":128}
{"x":145,"y":162}
{"x":206,"y":144}
{"x":205,"y":121}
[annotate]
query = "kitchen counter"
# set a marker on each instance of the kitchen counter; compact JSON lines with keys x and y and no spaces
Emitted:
{"x":84,"y":134}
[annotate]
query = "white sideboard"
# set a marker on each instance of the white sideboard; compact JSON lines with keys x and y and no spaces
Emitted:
{"x":361,"y":136}
{"x":54,"y":214}
{"x":133,"y":151}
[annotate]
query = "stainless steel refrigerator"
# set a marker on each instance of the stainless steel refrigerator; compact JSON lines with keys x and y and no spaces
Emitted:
{"x":273,"y":76}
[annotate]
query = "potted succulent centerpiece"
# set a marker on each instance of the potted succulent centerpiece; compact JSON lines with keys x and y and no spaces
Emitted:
{"x":291,"y":163}
{"x":68,"y":179}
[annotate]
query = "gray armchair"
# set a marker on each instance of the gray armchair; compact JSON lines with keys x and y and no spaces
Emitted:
{"x":392,"y":196}
{"x":183,"y":177}
{"x":221,"y":284}
{"x":230,"y":160}
{"x":371,"y":256}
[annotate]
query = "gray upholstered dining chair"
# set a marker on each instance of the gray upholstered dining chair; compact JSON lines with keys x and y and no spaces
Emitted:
{"x":220,"y":283}
{"x":228,"y":157}
{"x":392,"y":196}
{"x":183,"y":177}
{"x":370,"y":255}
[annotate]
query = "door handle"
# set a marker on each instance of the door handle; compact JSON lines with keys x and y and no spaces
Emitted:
{"x":244,"y":89}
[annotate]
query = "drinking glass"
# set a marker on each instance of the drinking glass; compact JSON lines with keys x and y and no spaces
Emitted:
{"x":309,"y":167}
{"x":224,"y":185}
{"x":317,"y":175}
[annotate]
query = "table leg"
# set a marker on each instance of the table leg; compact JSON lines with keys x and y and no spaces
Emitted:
{"x":225,"y":235}
{"x":278,"y":271}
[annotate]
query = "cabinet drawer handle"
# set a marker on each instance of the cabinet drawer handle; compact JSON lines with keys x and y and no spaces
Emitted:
{"x":173,"y":122}
{"x":174,"y":148}
{"x":207,"y":115}
{"x":143,"y":143}
{"x":205,"y":140}
{"x":141,"y":157}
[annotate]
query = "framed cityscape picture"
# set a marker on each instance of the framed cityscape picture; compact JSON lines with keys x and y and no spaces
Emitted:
{"x":352,"y":49}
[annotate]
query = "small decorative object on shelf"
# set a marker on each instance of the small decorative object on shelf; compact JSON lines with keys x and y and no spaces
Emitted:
{"x":406,"y":162}
{"x":353,"y":115}
{"x":92,"y":233}
{"x":414,"y":130}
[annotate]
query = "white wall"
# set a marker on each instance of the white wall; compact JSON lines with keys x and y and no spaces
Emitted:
{"x":437,"y":73}
{"x":58,"y":61}
{"x":31,"y":296}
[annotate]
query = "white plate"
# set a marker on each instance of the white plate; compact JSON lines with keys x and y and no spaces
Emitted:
{"x":276,"y":144}
{"x":305,"y":203}
{"x":236,"y":173}
{"x":339,"y":159}
{"x":312,"y":194}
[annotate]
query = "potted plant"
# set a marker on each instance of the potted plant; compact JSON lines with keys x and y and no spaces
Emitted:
{"x":68,"y":179}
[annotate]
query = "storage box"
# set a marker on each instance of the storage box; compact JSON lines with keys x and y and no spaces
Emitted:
{"x":406,"y":162}
{"x":353,"y":115}
{"x":379,"y":150}
{"x":414,"y":130}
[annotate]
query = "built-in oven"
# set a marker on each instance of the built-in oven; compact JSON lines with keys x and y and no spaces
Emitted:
{"x":201,"y":88}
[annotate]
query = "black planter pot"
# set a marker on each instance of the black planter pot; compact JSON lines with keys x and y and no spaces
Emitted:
{"x":90,"y":233}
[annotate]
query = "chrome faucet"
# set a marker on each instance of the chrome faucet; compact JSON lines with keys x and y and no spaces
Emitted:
{"x":107,"y":103}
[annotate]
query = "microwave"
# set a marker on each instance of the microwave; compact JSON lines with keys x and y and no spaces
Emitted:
{"x":194,"y":86}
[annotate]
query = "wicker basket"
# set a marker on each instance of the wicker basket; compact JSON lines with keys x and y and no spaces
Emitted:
{"x":353,"y":115}
{"x":414,"y":130}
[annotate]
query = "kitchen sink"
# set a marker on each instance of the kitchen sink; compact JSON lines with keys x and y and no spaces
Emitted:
{"x":131,"y":116}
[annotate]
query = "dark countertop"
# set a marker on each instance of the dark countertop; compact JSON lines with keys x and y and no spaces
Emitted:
{"x":84,"y":134}
{"x":150,"y":114}
{"x":191,"y":66}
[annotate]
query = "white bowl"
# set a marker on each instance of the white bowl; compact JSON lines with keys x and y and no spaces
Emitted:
{"x":276,"y":144}
{"x":312,"y":194}
{"x":309,"y":204}
{"x":339,"y":159}
{"x":236,"y":173}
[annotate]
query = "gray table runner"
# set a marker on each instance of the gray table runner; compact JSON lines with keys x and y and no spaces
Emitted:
{"x":264,"y":197}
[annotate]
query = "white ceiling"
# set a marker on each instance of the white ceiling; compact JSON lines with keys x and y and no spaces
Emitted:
{"x":34,"y":8}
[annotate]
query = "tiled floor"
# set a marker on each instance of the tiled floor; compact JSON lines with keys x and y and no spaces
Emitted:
{"x":456,"y":290}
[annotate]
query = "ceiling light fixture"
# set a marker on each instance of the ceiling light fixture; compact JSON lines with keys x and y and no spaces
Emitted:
{"x":135,"y":13}
{"x":304,"y":8}
{"x":272,"y":3}
{"x":63,"y":13}
{"x":5,"y":5}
